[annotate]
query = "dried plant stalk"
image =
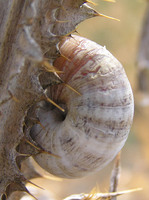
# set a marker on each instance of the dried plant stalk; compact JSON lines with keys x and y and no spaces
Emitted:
{"x":29,"y":33}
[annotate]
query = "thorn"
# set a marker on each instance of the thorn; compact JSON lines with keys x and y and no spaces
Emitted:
{"x":113,"y":1}
{"x":106,"y":16}
{"x":62,"y":55}
{"x":33,"y":145}
{"x":4,"y":196}
{"x":68,"y":34}
{"x":30,"y":194}
{"x":49,"y":153}
{"x":17,"y":185}
{"x":72,"y":89}
{"x":13,"y":97}
{"x":49,"y":67}
{"x":40,"y":150}
{"x":77,"y":32}
{"x":36,"y":120}
{"x":65,"y":57}
{"x":28,"y":181}
{"x":91,"y":2}
{"x":42,"y":126}
{"x":24,"y":155}
{"x":51,"y":101}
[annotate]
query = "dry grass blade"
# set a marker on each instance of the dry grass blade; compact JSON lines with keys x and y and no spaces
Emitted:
{"x":113,"y":194}
{"x":100,"y":196}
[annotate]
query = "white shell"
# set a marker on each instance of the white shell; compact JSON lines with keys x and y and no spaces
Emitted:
{"x":97,"y":123}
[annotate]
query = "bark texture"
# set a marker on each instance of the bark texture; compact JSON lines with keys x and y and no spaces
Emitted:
{"x":29,"y":33}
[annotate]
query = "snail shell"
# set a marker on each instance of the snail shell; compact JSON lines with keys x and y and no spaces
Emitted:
{"x":95,"y":124}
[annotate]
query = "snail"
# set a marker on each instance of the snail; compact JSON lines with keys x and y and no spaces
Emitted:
{"x":97,"y":118}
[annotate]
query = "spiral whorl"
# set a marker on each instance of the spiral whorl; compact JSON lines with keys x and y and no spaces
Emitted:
{"x":96,"y":123}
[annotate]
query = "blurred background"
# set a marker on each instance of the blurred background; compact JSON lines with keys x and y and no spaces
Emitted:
{"x":122,"y":40}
